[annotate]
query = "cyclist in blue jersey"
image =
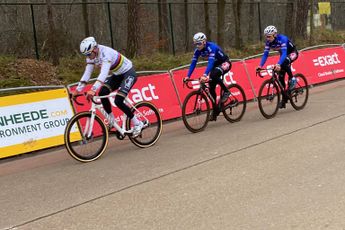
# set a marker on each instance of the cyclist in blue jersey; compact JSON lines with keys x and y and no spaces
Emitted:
{"x":288,"y":54}
{"x":218,"y":64}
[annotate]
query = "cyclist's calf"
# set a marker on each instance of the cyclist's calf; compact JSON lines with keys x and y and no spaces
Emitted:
{"x":119,"y":102}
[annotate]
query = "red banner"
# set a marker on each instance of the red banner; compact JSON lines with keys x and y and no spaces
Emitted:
{"x":157,"y":89}
{"x":321,"y":65}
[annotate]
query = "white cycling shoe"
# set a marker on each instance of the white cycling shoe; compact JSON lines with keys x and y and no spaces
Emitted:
{"x":137,"y":129}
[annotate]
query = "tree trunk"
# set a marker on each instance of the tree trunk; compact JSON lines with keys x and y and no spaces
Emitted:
{"x":85,"y":18}
{"x":133,"y":8}
{"x":186,"y":27}
{"x":208,"y":31}
{"x":220,"y":22}
{"x":251,"y":21}
{"x":236,"y":7}
{"x":289,"y":20}
{"x":301,"y":17}
{"x":52,"y":41}
{"x":311,"y":22}
{"x":163,"y":25}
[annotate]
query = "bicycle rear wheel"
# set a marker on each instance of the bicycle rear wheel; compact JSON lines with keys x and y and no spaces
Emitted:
{"x":235,"y":106}
{"x":152,"y":130}
{"x":299,"y":95}
{"x":79,"y":145}
{"x":195,"y":111}
{"x":269,"y":98}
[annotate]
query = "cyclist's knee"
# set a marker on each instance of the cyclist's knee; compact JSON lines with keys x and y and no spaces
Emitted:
{"x":104,"y":91}
{"x":215,"y":74}
{"x":119,"y":100}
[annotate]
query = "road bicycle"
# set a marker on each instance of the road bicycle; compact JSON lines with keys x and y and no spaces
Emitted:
{"x":196,"y":107}
{"x":87,"y":134}
{"x":271,"y":91}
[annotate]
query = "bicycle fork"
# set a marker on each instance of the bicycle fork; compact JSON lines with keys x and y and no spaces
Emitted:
{"x":87,"y":133}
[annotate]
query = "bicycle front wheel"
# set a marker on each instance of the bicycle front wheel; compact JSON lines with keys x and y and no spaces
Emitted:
{"x":195,"y":111}
{"x":147,"y":113}
{"x":235,"y":106}
{"x":299,"y":95}
{"x":85,"y":138}
{"x":269,"y":98}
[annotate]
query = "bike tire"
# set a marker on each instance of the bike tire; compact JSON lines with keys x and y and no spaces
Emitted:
{"x":269,"y":98}
{"x":299,"y":95}
{"x":81,"y":148}
{"x":196,"y":105}
{"x":150,"y":134}
{"x":235,"y":106}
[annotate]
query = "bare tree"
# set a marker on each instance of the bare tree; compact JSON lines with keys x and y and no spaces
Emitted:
{"x":220,"y":22}
{"x":186,"y":27}
{"x":289,"y":19}
{"x":163,"y":25}
{"x":301,"y":17}
{"x":85,"y":18}
{"x":52,"y":42}
{"x":311,"y":22}
{"x":236,"y":7}
{"x":251,"y":21}
{"x":207,"y":20}
{"x":133,"y":28}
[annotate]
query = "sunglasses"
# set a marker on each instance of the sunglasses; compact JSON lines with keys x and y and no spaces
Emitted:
{"x":89,"y":54}
{"x":198,"y":44}
{"x":269,"y":36}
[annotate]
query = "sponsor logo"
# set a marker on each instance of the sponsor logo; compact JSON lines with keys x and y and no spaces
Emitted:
{"x":146,"y":93}
{"x":18,"y":118}
{"x":326,"y":60}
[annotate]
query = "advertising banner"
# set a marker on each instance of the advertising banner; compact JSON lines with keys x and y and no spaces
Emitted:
{"x":157,"y":89}
{"x":321,"y":65}
{"x":317,"y":66}
{"x":33,"y":121}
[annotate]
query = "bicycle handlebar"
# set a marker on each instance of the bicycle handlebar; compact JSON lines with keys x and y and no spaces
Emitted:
{"x":186,"y":82}
{"x":74,"y":98}
{"x":259,"y":71}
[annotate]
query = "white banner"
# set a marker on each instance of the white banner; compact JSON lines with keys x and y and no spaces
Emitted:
{"x":33,"y":121}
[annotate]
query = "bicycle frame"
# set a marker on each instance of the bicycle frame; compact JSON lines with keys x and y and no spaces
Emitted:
{"x":98,"y":106}
{"x":275,"y":78}
{"x":204,"y":89}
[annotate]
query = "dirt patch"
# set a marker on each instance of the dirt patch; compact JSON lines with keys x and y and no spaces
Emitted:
{"x":37,"y":72}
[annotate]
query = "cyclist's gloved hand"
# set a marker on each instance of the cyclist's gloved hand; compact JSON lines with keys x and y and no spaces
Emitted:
{"x":185,"y":79}
{"x":258,"y":68}
{"x":204,"y":78}
{"x":277,"y":67}
{"x":90,"y":94}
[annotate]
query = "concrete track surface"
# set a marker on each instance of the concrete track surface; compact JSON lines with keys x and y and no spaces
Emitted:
{"x":284,"y":173}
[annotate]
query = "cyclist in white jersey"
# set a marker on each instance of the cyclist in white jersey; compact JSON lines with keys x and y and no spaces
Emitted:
{"x":123,"y":77}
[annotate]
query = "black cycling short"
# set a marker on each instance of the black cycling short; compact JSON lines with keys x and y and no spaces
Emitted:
{"x":123,"y":82}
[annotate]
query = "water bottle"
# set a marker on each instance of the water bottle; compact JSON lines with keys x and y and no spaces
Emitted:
{"x":293,"y":82}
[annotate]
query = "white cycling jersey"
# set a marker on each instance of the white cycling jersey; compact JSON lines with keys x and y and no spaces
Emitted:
{"x":107,"y":60}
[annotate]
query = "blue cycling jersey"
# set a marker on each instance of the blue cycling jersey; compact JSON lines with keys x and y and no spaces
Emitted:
{"x":282,"y":44}
{"x":213,"y":53}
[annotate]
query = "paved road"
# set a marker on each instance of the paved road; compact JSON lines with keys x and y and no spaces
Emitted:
{"x":283,"y":173}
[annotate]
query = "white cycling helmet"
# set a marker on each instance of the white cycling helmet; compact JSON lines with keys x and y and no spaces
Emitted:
{"x":87,"y":45}
{"x":199,"y":37}
{"x":269,"y":30}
